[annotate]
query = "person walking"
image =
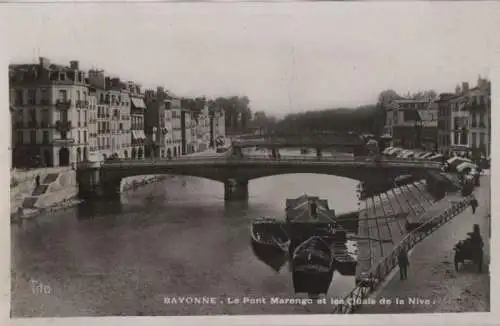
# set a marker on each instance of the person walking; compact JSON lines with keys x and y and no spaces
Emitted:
{"x":474,"y":204}
{"x":403,"y":263}
{"x":37,"y":180}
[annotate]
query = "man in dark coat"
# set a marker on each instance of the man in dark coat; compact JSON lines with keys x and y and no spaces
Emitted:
{"x":403,"y":263}
{"x":474,"y":204}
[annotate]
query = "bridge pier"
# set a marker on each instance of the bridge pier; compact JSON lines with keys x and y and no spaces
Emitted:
{"x":235,"y":190}
{"x":92,"y":184}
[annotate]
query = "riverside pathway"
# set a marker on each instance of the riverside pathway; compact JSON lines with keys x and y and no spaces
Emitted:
{"x":431,"y":275}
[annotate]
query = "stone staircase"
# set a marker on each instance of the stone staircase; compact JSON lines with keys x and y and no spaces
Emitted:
{"x":30,"y":201}
{"x":39,"y":190}
{"x":49,"y":178}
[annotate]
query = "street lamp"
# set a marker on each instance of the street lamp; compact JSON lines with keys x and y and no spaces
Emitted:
{"x":418,"y":133}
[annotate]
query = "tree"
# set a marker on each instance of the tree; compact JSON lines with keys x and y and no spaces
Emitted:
{"x":387,"y":96}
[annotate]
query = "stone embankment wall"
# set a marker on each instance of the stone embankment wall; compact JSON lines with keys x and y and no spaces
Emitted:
{"x":22,"y":184}
{"x":63,"y":189}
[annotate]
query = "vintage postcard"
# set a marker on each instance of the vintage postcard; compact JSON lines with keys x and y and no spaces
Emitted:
{"x":300,"y":160}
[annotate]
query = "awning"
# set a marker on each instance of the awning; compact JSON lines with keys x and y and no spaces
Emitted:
{"x":466,"y":165}
{"x":138,"y":103}
{"x":141,"y":133}
{"x":134,"y":134}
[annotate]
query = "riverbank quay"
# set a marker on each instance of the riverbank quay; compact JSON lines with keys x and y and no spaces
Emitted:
{"x":390,"y":216}
{"x":370,"y":281}
{"x":58,"y":189}
{"x":432,"y":278}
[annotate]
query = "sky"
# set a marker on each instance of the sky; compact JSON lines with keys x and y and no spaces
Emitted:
{"x":286,"y":57}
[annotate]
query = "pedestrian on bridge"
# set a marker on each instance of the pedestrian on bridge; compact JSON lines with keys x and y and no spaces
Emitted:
{"x":403,"y":263}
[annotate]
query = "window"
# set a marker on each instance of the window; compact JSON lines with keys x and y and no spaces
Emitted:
{"x":85,"y":136}
{"x":481,"y":140}
{"x":45,"y":94}
{"x":64,"y":135}
{"x":481,"y":119}
{"x":63,"y":95}
{"x":19,"y":97}
{"x":20,"y":138}
{"x":78,"y":95}
{"x":474,"y":143}
{"x":78,"y":139}
{"x":45,"y":117}
{"x":46,"y":137}
{"x":474,"y":123}
{"x":32,"y":96}
{"x":62,"y":76}
{"x":33,"y":136}
{"x":33,"y":115}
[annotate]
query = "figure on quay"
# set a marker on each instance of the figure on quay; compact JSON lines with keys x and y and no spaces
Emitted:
{"x":403,"y":263}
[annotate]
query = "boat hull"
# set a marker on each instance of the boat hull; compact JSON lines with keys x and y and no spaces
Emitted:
{"x":311,"y":282}
{"x":272,"y":256}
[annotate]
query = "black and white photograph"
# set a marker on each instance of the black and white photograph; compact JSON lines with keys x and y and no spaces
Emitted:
{"x":237,"y":159}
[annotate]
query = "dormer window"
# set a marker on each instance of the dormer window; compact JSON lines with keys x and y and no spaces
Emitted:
{"x":62,"y":76}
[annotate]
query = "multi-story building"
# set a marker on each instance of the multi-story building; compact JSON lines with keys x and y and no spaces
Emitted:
{"x":217,"y":127}
{"x":117,"y":97}
{"x":137,"y":111}
{"x":471,"y":118}
{"x":158,"y":123}
{"x":203,"y":130}
{"x":444,"y":122}
{"x":94,"y":154}
{"x":176,"y":109}
{"x":412,"y":123}
{"x":50,"y":119}
{"x":97,"y":88}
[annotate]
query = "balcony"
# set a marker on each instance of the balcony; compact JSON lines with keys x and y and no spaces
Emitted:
{"x":476,"y":107}
{"x":63,"y":142}
{"x":63,"y":126}
{"x":45,"y":125}
{"x":82,"y":104}
{"x":63,"y":104}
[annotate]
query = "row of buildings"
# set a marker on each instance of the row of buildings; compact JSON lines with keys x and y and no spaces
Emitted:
{"x":452,"y":122}
{"x":62,"y":115}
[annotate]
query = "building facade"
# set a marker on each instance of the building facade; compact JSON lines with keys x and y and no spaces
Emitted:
{"x":444,"y":122}
{"x":412,"y":123}
{"x":136,"y":121}
{"x":50,"y":114}
{"x":61,"y":115}
{"x":471,"y":118}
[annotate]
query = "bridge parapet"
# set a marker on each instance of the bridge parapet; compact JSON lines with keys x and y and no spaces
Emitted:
{"x":367,"y":161}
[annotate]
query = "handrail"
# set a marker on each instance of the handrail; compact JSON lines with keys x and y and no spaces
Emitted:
{"x":379,"y":272}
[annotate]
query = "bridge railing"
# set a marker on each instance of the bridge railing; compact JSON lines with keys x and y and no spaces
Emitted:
{"x":287,"y":158}
{"x":378,"y":273}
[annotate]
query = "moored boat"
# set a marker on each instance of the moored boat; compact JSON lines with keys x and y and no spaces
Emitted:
{"x":308,"y":216}
{"x":312,"y":266}
{"x":270,"y":242}
{"x":345,"y":262}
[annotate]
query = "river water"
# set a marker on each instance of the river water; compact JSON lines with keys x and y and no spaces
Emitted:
{"x":175,"y":238}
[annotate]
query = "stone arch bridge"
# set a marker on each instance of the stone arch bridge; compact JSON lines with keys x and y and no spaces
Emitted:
{"x":104,"y":179}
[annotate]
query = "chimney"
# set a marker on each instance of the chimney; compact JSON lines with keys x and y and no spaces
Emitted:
{"x":465,"y":87}
{"x":44,"y":62}
{"x":74,"y":64}
{"x":458,"y":90}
